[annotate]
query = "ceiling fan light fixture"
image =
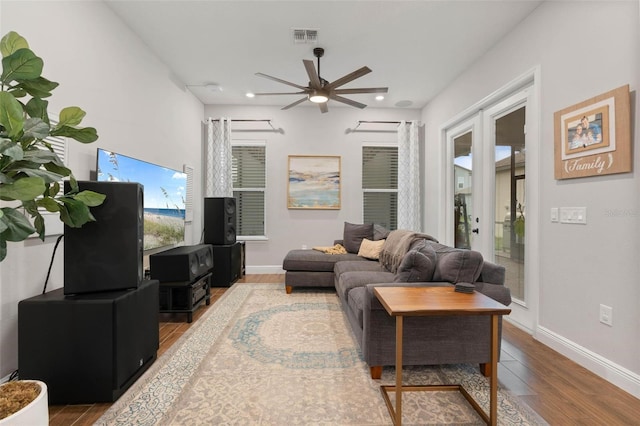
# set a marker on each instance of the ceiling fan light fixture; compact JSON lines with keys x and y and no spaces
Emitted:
{"x":318,"y":96}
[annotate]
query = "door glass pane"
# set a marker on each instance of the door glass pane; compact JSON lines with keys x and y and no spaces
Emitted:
{"x":462,"y":199}
{"x":510,"y":199}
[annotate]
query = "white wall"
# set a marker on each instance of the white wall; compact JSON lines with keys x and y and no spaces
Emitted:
{"x":129,"y":98}
{"x":308,"y":132}
{"x":581,"y":267}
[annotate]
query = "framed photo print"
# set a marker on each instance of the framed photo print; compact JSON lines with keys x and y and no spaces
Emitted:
{"x":314,"y":182}
{"x":593,"y":137}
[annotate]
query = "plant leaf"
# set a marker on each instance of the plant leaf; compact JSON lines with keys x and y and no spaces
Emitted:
{"x":77,"y":213}
{"x":36,"y":128}
{"x":3,"y":248}
{"x":22,"y":64}
{"x":38,"y":222}
{"x":23,"y":189}
{"x":47,"y":176}
{"x":11,"y":115}
{"x":18,"y":226}
{"x":12,"y":42}
{"x":39,"y":87}
{"x":11,"y":149}
{"x":90,"y":198}
{"x":71,"y":116}
{"x":42,"y":156}
{"x":37,"y":108}
{"x":49,"y":204}
{"x":83,"y":135}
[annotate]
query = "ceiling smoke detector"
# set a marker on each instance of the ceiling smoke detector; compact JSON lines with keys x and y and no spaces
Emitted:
{"x":304,"y":36}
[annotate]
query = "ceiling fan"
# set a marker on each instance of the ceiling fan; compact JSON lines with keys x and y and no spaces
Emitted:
{"x":320,"y":90}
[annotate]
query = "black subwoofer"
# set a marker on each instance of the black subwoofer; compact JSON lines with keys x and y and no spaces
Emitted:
{"x":184,"y":263}
{"x":106,"y":255}
{"x":219,"y":220}
{"x":88,"y":348}
{"x":229,"y":261}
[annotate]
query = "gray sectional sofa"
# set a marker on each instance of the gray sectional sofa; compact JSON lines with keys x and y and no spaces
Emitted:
{"x":408,"y":259}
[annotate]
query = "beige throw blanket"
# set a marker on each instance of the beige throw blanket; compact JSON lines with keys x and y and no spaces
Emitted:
{"x":337,"y":249}
{"x":397,"y":244}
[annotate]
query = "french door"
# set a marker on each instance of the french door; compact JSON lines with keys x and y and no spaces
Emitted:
{"x":486,"y":202}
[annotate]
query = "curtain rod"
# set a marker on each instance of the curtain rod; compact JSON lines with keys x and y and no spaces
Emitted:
{"x":375,"y":122}
{"x":246,"y":120}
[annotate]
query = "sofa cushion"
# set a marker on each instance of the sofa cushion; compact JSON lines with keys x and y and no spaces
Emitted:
{"x":349,"y":280}
{"x":379,"y":232}
{"x":458,"y":266}
{"x":370,"y":249}
{"x":417,"y":266}
{"x":353,"y":235}
{"x":313,"y":260}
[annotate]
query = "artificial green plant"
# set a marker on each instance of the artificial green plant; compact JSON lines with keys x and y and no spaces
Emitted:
{"x":30,"y":171}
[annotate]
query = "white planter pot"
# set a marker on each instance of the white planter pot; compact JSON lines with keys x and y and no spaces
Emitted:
{"x":34,"y":414}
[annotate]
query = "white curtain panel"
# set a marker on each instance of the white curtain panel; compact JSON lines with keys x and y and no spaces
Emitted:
{"x":409,"y":197}
{"x":217,"y":160}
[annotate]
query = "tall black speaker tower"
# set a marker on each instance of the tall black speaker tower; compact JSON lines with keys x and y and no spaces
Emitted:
{"x":106,"y":255}
{"x":220,"y":220}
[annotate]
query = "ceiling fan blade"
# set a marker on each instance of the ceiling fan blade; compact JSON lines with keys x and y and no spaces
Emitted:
{"x":363,"y":90}
{"x":348,"y":101}
{"x":259,"y":74}
{"x":282,"y":93}
{"x":349,"y":77}
{"x":299,"y":101}
{"x":323,"y":107}
{"x":314,"y":79}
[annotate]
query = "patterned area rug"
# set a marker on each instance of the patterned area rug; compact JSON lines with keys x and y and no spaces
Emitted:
{"x":262,"y":357}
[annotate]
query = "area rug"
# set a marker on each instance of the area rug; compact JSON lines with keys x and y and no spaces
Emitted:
{"x":261,"y":357}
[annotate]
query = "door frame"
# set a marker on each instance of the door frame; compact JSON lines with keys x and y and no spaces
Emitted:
{"x":524,"y":316}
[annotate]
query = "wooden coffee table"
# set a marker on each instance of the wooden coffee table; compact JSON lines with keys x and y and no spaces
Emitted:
{"x":403,"y":302}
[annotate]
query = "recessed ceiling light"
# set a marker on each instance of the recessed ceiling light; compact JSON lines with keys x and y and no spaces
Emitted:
{"x":404,"y":104}
{"x":379,"y":98}
{"x":250,"y":95}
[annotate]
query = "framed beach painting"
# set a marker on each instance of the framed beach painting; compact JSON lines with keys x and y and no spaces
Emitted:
{"x":593,"y":138}
{"x":314,"y":182}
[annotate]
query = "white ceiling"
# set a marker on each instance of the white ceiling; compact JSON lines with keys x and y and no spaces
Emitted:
{"x":415,"y":48}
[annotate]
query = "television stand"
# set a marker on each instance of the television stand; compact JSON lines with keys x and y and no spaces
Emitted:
{"x":185,"y":296}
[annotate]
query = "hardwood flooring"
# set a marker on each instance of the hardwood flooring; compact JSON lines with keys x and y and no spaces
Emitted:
{"x":559,"y":390}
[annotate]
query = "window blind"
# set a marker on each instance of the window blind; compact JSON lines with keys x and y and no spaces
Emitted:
{"x":248,"y":170}
{"x":380,"y":185}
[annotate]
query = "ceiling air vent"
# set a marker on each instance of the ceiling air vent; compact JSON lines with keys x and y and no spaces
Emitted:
{"x":304,"y":36}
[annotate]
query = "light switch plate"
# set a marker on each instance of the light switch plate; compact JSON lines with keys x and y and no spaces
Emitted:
{"x":554,"y":214}
{"x":573,"y":215}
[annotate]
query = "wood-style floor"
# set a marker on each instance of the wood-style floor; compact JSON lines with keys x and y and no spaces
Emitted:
{"x":559,"y":390}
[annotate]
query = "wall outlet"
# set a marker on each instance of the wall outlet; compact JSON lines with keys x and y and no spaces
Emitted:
{"x":606,"y":315}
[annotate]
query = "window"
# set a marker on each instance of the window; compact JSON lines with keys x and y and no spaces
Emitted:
{"x":248,"y":169}
{"x":380,"y":185}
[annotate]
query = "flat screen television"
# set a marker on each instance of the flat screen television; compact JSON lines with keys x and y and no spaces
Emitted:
{"x":164,"y":195}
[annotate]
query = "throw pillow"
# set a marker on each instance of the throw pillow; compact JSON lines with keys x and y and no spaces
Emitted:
{"x":370,"y":249}
{"x":458,"y":266}
{"x":380,"y":232}
{"x":415,"y":266}
{"x":354,"y":234}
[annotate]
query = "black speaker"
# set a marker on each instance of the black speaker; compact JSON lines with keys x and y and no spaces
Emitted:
{"x":228,"y":260}
{"x":88,"y":348}
{"x":220,"y":220}
{"x":184,"y":263}
{"x":106,"y":255}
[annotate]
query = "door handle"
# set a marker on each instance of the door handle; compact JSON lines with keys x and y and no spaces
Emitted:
{"x":475,"y":231}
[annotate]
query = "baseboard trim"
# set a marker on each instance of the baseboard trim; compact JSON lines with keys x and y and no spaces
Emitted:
{"x":608,"y":370}
{"x":265,"y":269}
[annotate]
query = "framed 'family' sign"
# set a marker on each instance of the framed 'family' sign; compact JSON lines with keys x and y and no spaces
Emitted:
{"x":593,"y":138}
